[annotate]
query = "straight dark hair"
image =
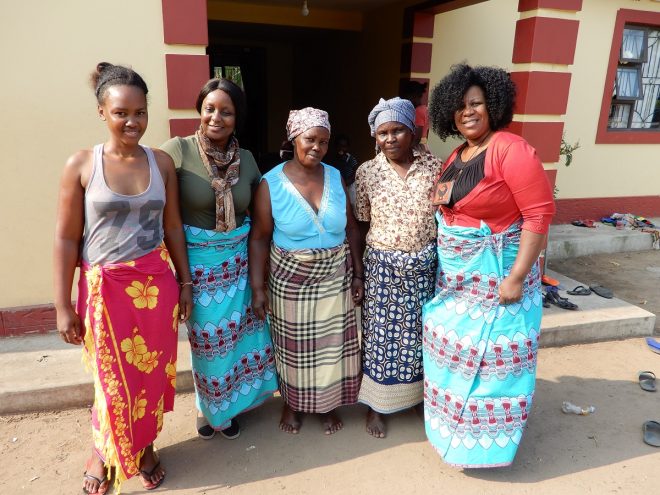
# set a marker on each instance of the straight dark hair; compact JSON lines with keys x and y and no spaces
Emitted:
{"x":235,"y":93}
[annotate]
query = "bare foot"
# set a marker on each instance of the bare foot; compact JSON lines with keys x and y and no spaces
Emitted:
{"x":331,"y":423}
{"x":376,"y":424}
{"x":95,"y":475}
{"x":151,"y":472}
{"x":290,"y":420}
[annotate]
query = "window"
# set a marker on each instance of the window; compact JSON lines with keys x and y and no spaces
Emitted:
{"x":630,"y":108}
{"x":636,"y":95}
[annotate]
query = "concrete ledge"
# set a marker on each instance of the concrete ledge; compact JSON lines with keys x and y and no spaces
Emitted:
{"x":41,"y":372}
{"x":569,"y":241}
{"x":596,"y":319}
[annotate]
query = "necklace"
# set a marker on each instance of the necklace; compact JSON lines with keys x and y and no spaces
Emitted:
{"x":483,"y":140}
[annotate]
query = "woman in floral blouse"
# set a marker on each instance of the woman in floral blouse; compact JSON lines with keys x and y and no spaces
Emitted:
{"x":393,"y":203}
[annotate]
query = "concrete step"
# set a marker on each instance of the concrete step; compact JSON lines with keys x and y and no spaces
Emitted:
{"x":569,"y":241}
{"x":596,"y":319}
{"x":41,"y":372}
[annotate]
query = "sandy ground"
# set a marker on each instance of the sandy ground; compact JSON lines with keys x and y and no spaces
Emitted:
{"x":634,"y":277}
{"x":600,"y":453}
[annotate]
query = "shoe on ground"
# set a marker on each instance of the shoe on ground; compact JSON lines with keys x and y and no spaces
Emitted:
{"x":233,"y":432}
{"x":204,"y":429}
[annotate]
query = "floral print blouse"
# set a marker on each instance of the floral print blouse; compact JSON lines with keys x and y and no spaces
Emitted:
{"x":398,"y":209}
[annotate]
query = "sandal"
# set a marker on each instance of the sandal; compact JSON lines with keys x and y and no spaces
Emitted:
{"x":602,"y":291}
{"x":584,"y":223}
{"x":145,"y":476}
{"x":651,"y":431}
{"x":580,"y":290}
{"x":546,"y":304}
{"x":553,"y":297}
{"x":647,"y":381}
{"x":653,"y":344}
{"x":548,"y":280}
{"x":104,"y":483}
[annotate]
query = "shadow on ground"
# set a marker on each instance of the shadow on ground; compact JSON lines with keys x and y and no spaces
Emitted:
{"x":555,"y":444}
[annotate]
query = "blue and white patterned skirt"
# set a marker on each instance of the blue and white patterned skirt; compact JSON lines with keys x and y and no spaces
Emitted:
{"x":479,"y":356}
{"x":397,"y":284}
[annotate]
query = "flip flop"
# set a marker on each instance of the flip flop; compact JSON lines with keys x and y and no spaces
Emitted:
{"x":653,"y":344}
{"x":547,"y":280}
{"x":602,"y":291}
{"x":104,"y":483}
{"x":647,"y":381}
{"x":553,"y":297}
{"x":580,"y":290}
{"x":651,"y":431}
{"x":584,"y":223}
{"x":146,"y":475}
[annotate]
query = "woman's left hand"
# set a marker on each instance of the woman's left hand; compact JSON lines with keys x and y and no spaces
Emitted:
{"x":510,"y":290}
{"x":185,"y":303}
{"x":357,"y":291}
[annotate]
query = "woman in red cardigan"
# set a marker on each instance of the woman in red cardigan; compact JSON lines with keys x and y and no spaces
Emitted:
{"x":481,"y":329}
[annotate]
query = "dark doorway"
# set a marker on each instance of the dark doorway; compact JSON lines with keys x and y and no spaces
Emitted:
{"x":284,"y":68}
{"x":246,"y":66}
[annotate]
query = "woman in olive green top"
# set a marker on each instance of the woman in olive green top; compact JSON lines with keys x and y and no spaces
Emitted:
{"x":232,"y":357}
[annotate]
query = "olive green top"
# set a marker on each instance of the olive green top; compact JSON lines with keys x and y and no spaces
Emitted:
{"x":196,"y":196}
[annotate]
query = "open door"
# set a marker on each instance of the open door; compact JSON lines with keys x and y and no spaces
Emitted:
{"x":246,"y":66}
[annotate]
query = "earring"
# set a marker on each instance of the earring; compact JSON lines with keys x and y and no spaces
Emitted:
{"x":453,"y":127}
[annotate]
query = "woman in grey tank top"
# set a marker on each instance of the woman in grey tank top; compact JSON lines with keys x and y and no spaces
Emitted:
{"x":118,"y":219}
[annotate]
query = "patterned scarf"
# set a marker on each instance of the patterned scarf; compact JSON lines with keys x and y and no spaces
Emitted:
{"x":223,"y":170}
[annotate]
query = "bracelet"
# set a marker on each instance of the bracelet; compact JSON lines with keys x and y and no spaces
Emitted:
{"x":359,"y":277}
{"x":183,"y":284}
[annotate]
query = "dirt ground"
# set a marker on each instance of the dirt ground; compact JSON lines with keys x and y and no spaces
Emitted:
{"x":597,"y":454}
{"x":634,"y":277}
{"x":601,"y":453}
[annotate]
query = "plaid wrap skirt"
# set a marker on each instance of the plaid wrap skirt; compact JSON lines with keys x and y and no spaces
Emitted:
{"x":313,"y":326}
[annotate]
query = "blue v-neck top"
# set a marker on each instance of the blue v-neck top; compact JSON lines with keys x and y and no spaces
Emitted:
{"x":297,"y":226}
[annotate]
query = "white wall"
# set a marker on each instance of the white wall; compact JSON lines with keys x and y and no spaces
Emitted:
{"x":481,"y":34}
{"x":48,"y":50}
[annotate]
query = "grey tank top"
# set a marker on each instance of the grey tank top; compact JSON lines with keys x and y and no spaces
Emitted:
{"x":120,"y":227}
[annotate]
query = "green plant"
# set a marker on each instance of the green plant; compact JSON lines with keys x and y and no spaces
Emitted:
{"x":566,"y":150}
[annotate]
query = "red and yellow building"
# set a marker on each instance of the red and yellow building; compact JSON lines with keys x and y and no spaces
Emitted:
{"x":585,"y":69}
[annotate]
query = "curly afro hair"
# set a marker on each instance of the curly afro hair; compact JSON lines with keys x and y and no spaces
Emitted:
{"x":447,"y":97}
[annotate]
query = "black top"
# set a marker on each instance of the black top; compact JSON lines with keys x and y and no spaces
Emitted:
{"x":466,"y":175}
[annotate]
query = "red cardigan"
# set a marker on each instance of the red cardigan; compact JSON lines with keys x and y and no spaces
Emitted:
{"x":514,"y":186}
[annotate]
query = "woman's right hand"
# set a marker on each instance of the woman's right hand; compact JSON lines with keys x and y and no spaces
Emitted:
{"x":68,"y":326}
{"x":260,"y":304}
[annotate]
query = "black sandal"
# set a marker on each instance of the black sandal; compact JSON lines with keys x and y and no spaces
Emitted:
{"x":554,"y":298}
{"x":580,"y":290}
